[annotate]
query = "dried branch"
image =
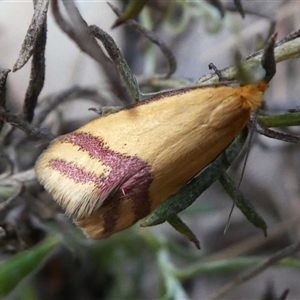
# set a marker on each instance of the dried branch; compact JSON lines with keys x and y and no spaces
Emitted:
{"x":287,"y":48}
{"x":16,"y":180}
{"x":286,"y":252}
{"x":50,"y":103}
{"x":18,"y":122}
{"x":80,"y":33}
{"x":154,"y":39}
{"x":281,"y":120}
{"x":292,"y":36}
{"x":19,"y":188}
{"x":284,"y":137}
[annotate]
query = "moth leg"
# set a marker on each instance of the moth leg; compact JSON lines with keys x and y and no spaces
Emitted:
{"x":211,"y":66}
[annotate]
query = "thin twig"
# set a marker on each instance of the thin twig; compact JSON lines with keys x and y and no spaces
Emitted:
{"x":19,"y":188}
{"x":244,"y":247}
{"x":284,"y":137}
{"x":286,"y":252}
{"x":287,"y":48}
{"x":282,"y":120}
{"x":18,"y":122}
{"x":80,"y":33}
{"x":154,"y":39}
{"x":24,"y":176}
{"x":292,"y":36}
{"x":47,"y":105}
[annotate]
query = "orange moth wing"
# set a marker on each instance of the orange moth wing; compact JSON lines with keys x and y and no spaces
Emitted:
{"x":115,"y":170}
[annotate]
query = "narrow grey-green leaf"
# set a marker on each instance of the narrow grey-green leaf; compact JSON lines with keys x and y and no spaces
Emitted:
{"x":182,"y":228}
{"x":242,"y":203}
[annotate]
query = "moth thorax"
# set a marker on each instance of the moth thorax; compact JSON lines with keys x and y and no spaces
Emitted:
{"x":252,"y":94}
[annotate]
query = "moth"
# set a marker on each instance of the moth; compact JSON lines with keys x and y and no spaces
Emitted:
{"x":115,"y":170}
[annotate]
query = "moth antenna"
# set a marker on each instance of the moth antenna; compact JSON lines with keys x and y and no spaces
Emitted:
{"x":242,"y":174}
{"x":269,"y":64}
